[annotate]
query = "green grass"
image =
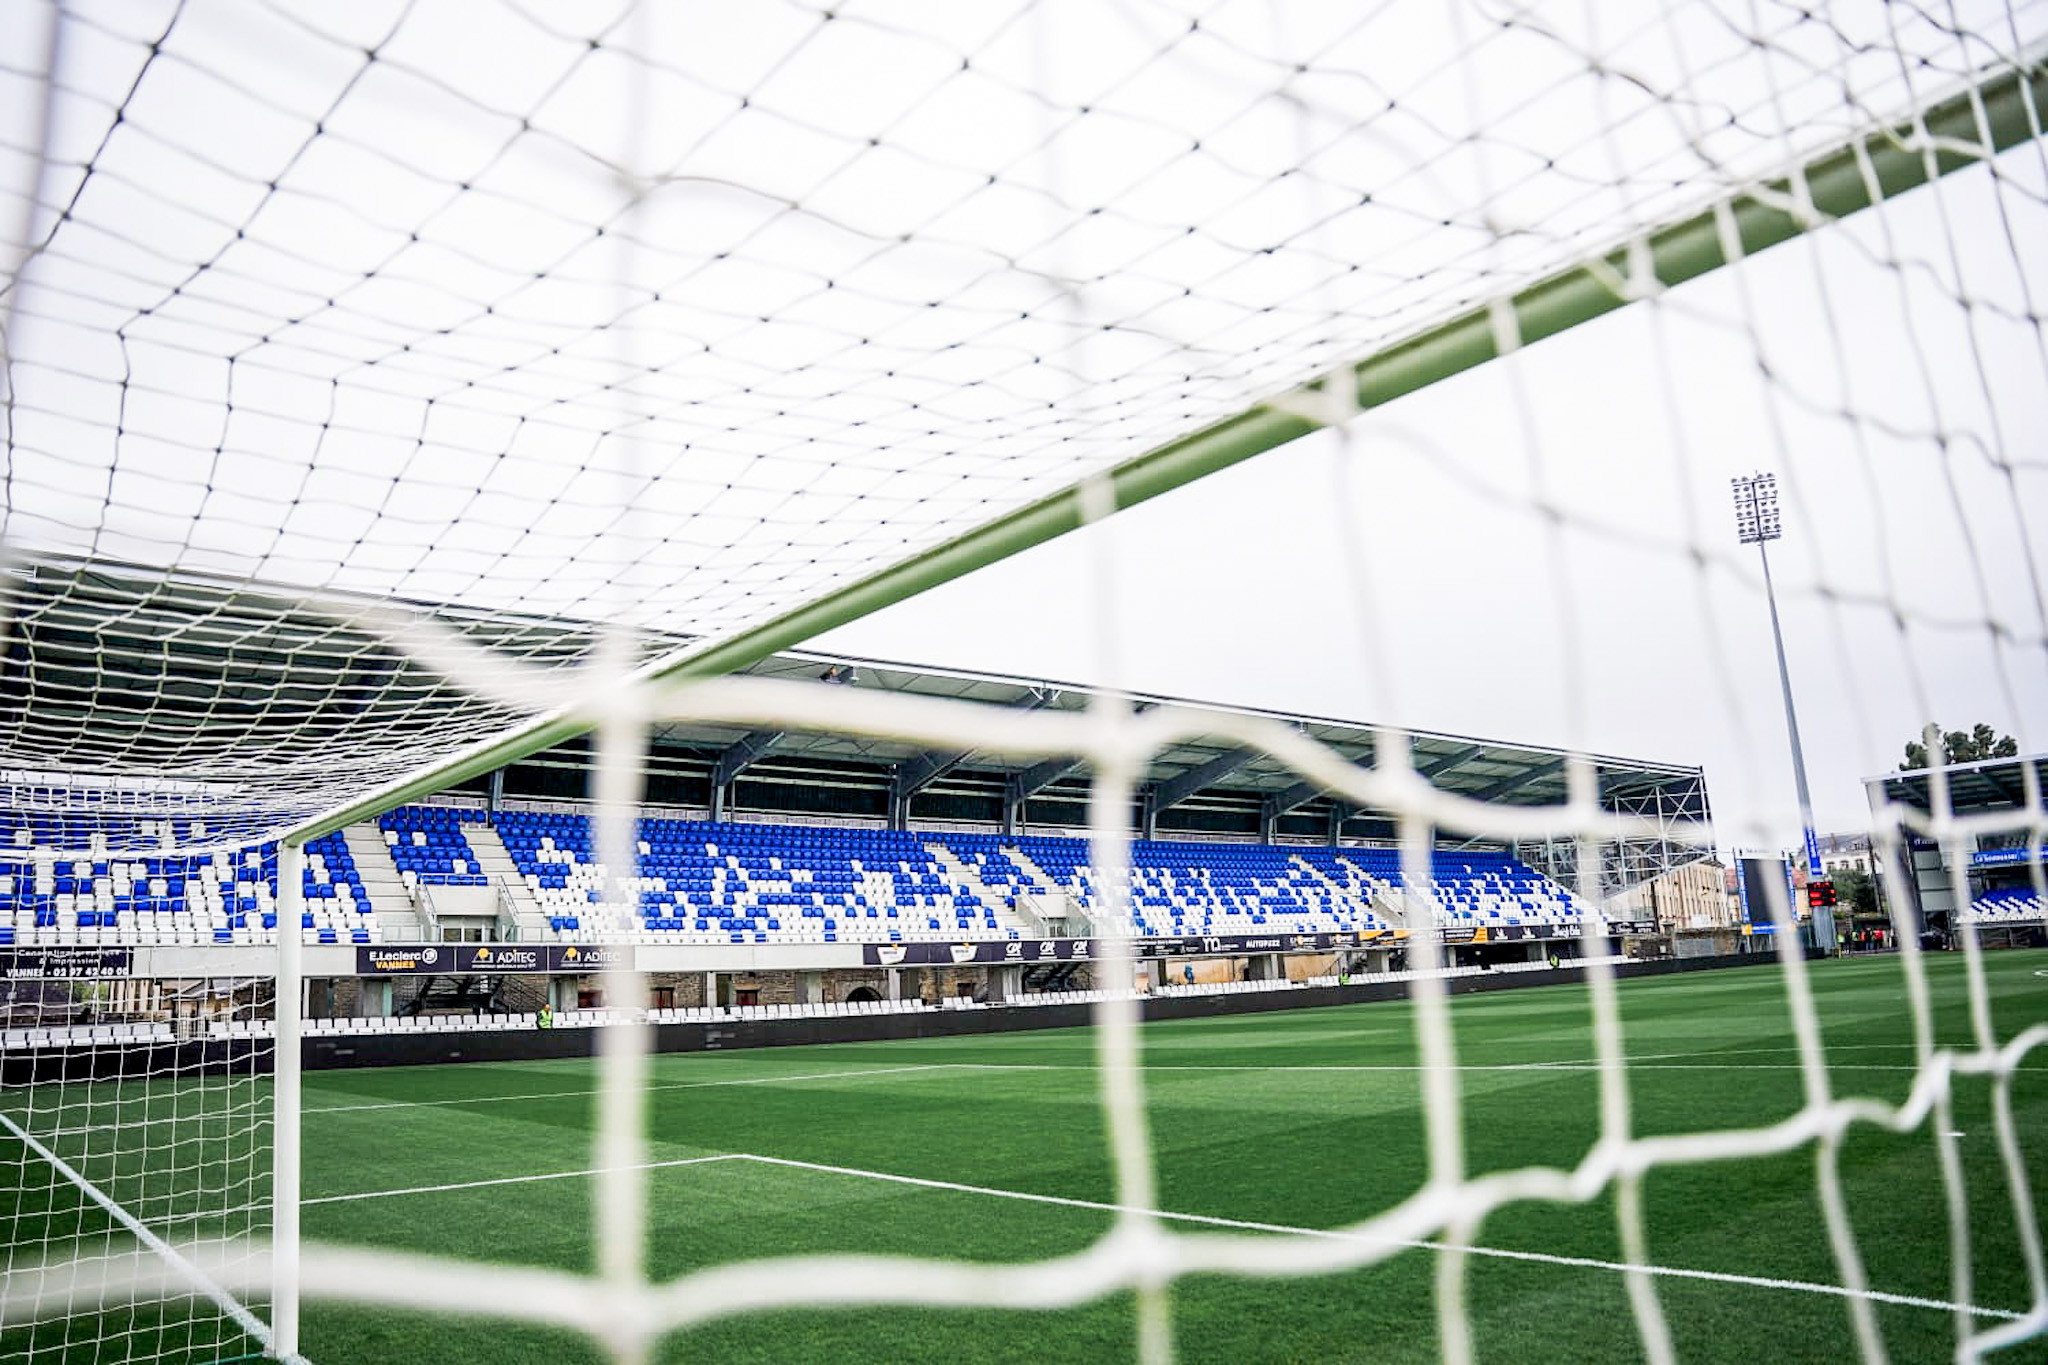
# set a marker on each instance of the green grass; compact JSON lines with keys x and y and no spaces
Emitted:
{"x":1244,"y":1126}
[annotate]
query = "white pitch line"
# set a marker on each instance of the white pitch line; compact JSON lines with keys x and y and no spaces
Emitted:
{"x":1830,"y":1049}
{"x":1234,"y":1224}
{"x":672,"y":1085}
{"x":1960,"y":1048}
{"x":1149,"y":1069}
{"x":1154,"y":1069}
{"x":1570,"y":1065}
{"x":508,"y":1180}
{"x":1341,"y":1235}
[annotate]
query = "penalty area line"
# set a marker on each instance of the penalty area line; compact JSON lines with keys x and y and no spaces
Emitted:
{"x":1341,"y":1235}
{"x":585,"y":1094}
{"x":510,"y":1180}
{"x":1404,"y":1068}
{"x":1213,"y":1221}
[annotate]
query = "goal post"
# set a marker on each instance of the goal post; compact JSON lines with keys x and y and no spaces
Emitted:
{"x":286,"y":1119}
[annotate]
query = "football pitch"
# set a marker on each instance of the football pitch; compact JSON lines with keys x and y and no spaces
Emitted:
{"x":1288,"y":1124}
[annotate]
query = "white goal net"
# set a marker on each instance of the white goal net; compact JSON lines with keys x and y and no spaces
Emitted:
{"x":393,"y":390}
{"x":131,"y":1143}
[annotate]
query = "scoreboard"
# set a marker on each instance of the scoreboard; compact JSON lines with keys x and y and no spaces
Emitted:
{"x":1756,"y":874}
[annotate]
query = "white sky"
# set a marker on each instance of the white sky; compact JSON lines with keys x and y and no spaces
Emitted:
{"x":355,"y":297}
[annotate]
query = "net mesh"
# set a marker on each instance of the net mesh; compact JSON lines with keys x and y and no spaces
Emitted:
{"x":680,"y":324}
{"x":380,"y":380}
{"x":136,"y":1130}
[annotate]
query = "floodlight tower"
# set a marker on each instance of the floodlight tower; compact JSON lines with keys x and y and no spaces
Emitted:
{"x":1757,"y":523}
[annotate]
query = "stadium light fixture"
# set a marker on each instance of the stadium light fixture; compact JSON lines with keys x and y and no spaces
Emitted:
{"x":1757,"y":523}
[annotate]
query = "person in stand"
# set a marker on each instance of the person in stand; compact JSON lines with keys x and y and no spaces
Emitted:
{"x":1555,"y":961}
{"x":546,"y":1018}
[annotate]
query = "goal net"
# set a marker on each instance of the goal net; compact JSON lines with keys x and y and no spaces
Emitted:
{"x":395,"y":391}
{"x":136,"y":1128}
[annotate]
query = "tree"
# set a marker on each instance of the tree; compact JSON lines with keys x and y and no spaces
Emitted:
{"x":1856,"y":889}
{"x":1957,"y":746}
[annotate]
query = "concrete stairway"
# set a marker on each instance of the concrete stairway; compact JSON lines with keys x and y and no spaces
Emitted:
{"x":494,"y":860}
{"x":1395,"y":905}
{"x":1033,"y":870}
{"x":389,"y":900}
{"x":1346,"y":896}
{"x":1057,"y":896}
{"x":968,"y":875}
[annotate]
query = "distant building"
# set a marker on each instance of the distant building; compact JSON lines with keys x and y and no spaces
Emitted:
{"x":1842,"y":852}
{"x":1696,"y":896}
{"x":1992,"y":871}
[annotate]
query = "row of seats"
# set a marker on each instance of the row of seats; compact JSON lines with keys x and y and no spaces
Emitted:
{"x":472,"y":1023}
{"x":110,"y":834}
{"x":1490,"y":969}
{"x":819,"y":1010}
{"x":86,"y":1036}
{"x":1088,"y":997}
{"x":257,"y":932}
{"x":1181,"y":888}
{"x":1222,"y":987}
{"x":2008,"y":905}
{"x":1465,"y":888}
{"x":134,"y":1034}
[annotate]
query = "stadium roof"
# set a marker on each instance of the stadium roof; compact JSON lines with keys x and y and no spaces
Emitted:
{"x":1987,"y":785}
{"x":1486,"y":770}
{"x":239,"y":674}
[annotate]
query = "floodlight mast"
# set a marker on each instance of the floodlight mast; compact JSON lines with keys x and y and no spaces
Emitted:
{"x":1757,"y":523}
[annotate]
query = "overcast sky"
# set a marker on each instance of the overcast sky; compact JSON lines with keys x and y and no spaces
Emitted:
{"x":685,"y":314}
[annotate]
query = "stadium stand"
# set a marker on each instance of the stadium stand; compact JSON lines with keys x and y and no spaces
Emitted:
{"x":2008,"y":905}
{"x":1468,"y":888}
{"x":48,"y":896}
{"x":731,"y":883}
{"x":1193,"y":888}
{"x":429,"y":847}
{"x":704,"y":883}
